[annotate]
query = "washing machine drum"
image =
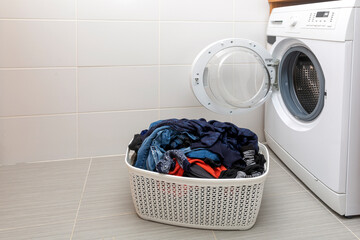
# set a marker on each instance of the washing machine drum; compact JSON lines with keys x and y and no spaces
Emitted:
{"x":302,"y":83}
{"x":236,"y":75}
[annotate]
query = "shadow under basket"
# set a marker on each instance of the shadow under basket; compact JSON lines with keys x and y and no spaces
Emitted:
{"x":224,"y":204}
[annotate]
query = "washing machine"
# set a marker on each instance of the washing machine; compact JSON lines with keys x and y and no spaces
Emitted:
{"x":309,"y":82}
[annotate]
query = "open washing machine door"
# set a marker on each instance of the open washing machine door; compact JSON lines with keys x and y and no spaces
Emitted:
{"x":233,"y":75}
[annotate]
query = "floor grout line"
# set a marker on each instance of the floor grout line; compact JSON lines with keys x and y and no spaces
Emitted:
{"x":314,"y":197}
{"x":35,"y":225}
{"x":327,"y":209}
{"x":81,"y":197}
{"x":107,"y":216}
{"x":214,"y":234}
{"x":67,"y":221}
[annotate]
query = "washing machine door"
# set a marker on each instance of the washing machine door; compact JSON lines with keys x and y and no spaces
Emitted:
{"x":233,"y":75}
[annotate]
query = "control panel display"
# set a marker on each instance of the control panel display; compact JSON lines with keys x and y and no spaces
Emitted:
{"x":321,"y":19}
{"x":322,"y":14}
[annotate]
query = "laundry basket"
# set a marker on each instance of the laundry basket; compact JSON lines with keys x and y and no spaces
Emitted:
{"x":228,"y":204}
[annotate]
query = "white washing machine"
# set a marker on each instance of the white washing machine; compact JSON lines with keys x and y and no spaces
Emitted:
{"x":310,"y":84}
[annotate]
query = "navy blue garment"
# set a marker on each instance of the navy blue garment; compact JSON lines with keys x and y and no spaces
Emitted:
{"x":202,"y":153}
{"x":224,"y":139}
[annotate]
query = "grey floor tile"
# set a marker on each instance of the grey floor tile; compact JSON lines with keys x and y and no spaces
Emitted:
{"x":132,"y":227}
{"x":57,"y":231}
{"x":279,"y":181}
{"x":292,"y":216}
{"x":352,"y":223}
{"x":40,"y":193}
{"x":107,"y":190}
{"x":287,"y":170}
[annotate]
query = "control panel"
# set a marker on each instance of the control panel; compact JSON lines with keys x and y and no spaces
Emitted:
{"x":331,"y":21}
{"x":321,"y":19}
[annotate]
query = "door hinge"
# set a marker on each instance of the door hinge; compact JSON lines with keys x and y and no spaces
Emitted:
{"x":272,"y":62}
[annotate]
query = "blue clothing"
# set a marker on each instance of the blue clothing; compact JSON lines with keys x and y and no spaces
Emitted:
{"x":202,"y":153}
{"x":223,"y":139}
{"x":167,"y":162}
{"x":157,"y":143}
{"x":145,"y":160}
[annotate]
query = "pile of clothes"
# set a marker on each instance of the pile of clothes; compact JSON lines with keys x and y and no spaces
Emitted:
{"x":199,"y":149}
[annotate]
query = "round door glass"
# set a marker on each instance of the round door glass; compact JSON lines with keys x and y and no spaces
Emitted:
{"x":232,"y":76}
{"x":236,"y":77}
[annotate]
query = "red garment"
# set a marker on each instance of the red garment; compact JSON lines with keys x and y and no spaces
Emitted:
{"x":178,"y":171}
{"x":215,"y":172}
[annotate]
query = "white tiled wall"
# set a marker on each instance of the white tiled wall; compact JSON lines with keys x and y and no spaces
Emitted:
{"x":79,"y":77}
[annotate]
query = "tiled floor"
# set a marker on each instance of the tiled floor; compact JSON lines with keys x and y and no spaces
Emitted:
{"x":90,"y":199}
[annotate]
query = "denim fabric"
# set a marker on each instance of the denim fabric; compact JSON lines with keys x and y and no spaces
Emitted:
{"x":144,"y":159}
{"x":156,"y":153}
{"x":155,"y":145}
{"x":165,"y":164}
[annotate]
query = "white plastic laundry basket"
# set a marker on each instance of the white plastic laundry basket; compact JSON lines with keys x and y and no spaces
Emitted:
{"x":231,"y":204}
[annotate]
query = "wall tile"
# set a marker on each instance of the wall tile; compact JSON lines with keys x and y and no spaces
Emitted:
{"x":200,"y":10}
{"x":37,"y":43}
{"x":110,"y":133}
{"x":175,"y":88}
{"x":253,"y":120}
{"x":126,"y":56}
{"x":117,"y":43}
{"x":34,"y":91}
{"x":255,"y":31}
{"x":193,"y":113}
{"x":181,"y":42}
{"x":51,"y":9}
{"x":118,"y":10}
{"x":37,"y":138}
{"x":118,"y":88}
{"x":255,"y":10}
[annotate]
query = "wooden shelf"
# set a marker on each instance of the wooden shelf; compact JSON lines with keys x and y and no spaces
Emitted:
{"x":283,"y":3}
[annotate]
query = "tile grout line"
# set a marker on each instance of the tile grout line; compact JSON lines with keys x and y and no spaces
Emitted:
{"x":214,"y":234}
{"x":81,"y":197}
{"x":337,"y":218}
{"x":159,"y":59}
{"x":233,"y":35}
{"x":98,"y":66}
{"x":117,"y":20}
{"x":33,"y":226}
{"x":76,"y":78}
{"x":106,"y":216}
{"x":92,"y":66}
{"x":97,"y":112}
{"x":311,"y":194}
{"x":61,"y":222}
{"x":325,"y":207}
